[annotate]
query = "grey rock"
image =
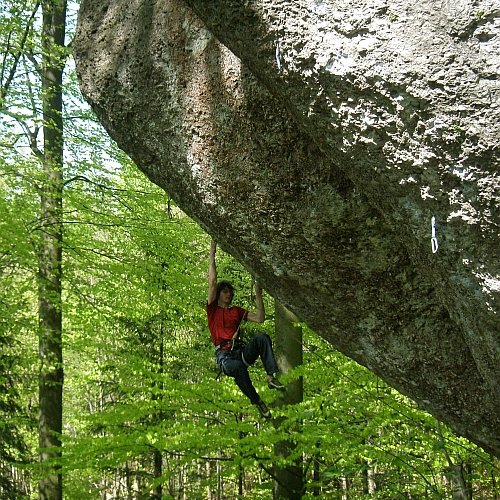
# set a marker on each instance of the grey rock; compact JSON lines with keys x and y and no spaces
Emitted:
{"x":316,"y":141}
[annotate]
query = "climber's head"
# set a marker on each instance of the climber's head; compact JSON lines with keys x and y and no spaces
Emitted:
{"x":225,"y":293}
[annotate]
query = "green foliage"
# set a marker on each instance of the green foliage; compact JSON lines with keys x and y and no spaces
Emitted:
{"x":17,"y":319}
{"x":139,"y":368}
{"x":13,"y":448}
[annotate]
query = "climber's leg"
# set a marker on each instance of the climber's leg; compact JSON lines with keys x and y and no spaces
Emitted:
{"x":260,"y":345}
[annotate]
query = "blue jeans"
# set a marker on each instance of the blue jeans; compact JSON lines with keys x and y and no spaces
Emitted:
{"x":235,"y":363}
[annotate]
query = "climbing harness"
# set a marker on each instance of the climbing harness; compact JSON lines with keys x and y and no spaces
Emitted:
{"x":434,"y":241}
{"x":237,"y":345}
{"x":234,"y":352}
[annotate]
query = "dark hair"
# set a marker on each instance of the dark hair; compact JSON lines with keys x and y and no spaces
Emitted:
{"x":224,"y":284}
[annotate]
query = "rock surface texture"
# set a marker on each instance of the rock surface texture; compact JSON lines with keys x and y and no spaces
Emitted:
{"x":317,"y":141}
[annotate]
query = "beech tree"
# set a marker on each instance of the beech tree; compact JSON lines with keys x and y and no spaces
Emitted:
{"x":47,"y":61}
{"x":289,"y":479}
{"x":50,"y":251}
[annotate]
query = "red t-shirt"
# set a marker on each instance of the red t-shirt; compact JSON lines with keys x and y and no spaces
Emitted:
{"x":223,"y":323}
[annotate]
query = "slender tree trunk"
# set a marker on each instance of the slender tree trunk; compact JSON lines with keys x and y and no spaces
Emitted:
{"x":289,"y":480}
{"x":50,"y":254}
{"x":219,"y":478}
{"x":208,"y":475}
{"x":158,"y":456}
{"x":316,"y":473}
{"x":158,"y":463}
{"x":368,"y":476}
{"x":458,"y":488}
{"x":241,"y":470}
{"x":241,"y":477}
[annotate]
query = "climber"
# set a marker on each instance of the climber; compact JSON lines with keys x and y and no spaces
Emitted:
{"x":233,"y":356}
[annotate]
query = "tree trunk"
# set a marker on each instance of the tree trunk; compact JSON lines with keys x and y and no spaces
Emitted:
{"x":458,"y":486}
{"x":158,"y":456}
{"x":157,"y":463}
{"x":316,"y":475}
{"x":50,"y":254}
{"x":289,"y":482}
{"x":368,"y":476}
{"x":455,"y":472}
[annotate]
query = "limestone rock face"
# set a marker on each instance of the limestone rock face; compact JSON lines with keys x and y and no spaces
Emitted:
{"x":317,"y":142}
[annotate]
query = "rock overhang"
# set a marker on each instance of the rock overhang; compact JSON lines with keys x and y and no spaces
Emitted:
{"x":323,"y":184}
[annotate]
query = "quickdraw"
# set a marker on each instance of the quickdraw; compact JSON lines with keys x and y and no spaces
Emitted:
{"x":434,"y":241}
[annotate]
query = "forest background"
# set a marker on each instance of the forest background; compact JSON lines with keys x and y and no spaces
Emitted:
{"x":107,"y":375}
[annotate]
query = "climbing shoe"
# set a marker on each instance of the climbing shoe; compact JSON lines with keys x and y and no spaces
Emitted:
{"x":274,"y":383}
{"x":263,"y":409}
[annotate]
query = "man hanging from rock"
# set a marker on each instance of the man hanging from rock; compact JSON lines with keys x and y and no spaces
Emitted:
{"x":224,"y":322}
